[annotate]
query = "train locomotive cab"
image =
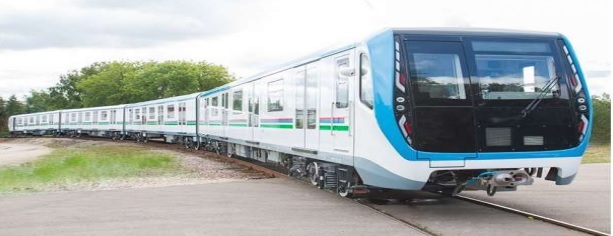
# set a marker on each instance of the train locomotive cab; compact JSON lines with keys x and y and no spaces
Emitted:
{"x":487,"y":110}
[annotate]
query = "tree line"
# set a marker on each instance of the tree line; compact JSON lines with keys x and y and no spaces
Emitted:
{"x":117,"y":82}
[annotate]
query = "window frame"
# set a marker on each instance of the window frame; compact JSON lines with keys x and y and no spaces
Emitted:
{"x":281,"y":95}
{"x":237,"y":102}
{"x":340,"y":62}
{"x":370,"y":104}
{"x":170,"y":111}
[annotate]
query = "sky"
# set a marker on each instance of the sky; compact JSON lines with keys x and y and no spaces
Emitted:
{"x":41,"y":40}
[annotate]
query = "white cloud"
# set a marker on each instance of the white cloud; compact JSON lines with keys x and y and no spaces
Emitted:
{"x":266,"y":33}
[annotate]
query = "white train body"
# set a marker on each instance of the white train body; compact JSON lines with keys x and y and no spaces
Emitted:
{"x":35,"y":123}
{"x":404,"y":109}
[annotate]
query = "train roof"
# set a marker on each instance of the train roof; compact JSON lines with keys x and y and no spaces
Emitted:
{"x":170,"y":99}
{"x":473,"y":32}
{"x":279,"y":68}
{"x":411,"y":31}
{"x":92,"y":108}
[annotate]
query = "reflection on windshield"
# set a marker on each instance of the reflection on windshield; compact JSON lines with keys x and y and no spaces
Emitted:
{"x":514,"y":76}
{"x":439,"y":75}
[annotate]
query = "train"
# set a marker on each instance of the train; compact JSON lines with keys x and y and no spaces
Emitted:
{"x":437,"y":109}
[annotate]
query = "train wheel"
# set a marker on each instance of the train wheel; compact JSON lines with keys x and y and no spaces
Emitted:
{"x":313,"y":173}
{"x":197,"y":145}
{"x":187,"y":143}
{"x":146,"y":139}
{"x":345,"y":191}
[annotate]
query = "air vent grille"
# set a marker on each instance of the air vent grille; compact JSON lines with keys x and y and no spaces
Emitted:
{"x":533,"y":141}
{"x":496,"y":137}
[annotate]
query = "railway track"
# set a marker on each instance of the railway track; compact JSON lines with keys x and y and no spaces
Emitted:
{"x":271,"y":171}
{"x":532,"y":216}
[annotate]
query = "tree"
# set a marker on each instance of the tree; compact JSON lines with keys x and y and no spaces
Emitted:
{"x":14,"y":106}
{"x":129,"y":82}
{"x":3,"y":116}
{"x":108,"y":85}
{"x":38,"y":101}
{"x":601,"y":130}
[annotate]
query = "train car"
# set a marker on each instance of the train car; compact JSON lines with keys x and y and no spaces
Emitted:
{"x":106,"y":121}
{"x":435,"y":109}
{"x":42,"y":123}
{"x":171,"y":119}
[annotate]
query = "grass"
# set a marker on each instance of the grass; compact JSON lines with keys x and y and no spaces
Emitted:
{"x":597,"y":153}
{"x":91,"y":164}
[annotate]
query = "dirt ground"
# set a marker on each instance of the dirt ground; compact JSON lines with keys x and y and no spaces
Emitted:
{"x":15,"y":153}
{"x":195,"y":169}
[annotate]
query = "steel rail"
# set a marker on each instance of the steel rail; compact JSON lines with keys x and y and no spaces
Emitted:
{"x":532,"y":215}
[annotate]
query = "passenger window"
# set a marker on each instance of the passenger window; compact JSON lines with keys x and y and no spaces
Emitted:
{"x":275,"y":96}
{"x":342,"y":84}
{"x":170,"y":111}
{"x":237,"y":100}
{"x":214,"y":104}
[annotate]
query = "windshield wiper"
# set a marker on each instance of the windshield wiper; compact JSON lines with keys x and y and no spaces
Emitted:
{"x":548,"y":86}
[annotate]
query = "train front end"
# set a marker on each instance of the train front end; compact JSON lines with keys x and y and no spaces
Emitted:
{"x":481,"y":109}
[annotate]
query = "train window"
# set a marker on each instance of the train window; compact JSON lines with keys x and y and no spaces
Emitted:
{"x":224,"y":100}
{"x":137,"y":114}
{"x":104,"y":115}
{"x":442,"y":75}
{"x":510,"y":77}
{"x":51,"y":116}
{"x":237,"y":100}
{"x":300,"y":81}
{"x":342,"y":84}
{"x":275,"y":95}
{"x":151,"y":113}
{"x":43,"y":119}
{"x":366,"y":89}
{"x":88,"y":116}
{"x":437,"y":73}
{"x":160,"y":115}
{"x":311,"y":98}
{"x":256,"y":106}
{"x":73,"y":117}
{"x":170,"y":111}
{"x":214,"y":104}
{"x":113,"y":116}
{"x":182,"y":113}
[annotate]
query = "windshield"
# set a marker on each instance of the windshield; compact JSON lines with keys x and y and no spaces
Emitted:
{"x":495,"y":72}
{"x":510,"y":70}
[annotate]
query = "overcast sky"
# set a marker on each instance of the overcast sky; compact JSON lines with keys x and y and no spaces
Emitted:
{"x":40,"y":40}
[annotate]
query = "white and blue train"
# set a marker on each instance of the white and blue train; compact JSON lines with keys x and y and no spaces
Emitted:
{"x":437,"y":109}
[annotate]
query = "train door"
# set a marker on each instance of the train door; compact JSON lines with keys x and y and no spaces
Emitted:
{"x":307,"y":92}
{"x":443,"y":104}
{"x":339,"y":122}
{"x":182,"y":117}
{"x":224,"y":113}
{"x":253,"y":110}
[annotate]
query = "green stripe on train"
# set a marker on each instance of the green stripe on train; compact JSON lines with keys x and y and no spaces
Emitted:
{"x":278,"y":126}
{"x":336,"y":127}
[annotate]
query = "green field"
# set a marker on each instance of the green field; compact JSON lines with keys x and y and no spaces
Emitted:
{"x":73,"y":165}
{"x":597,"y":153}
